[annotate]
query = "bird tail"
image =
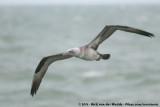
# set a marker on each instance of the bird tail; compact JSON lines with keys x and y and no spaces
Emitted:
{"x":105,"y":56}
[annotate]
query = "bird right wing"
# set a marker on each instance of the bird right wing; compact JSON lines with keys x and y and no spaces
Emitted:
{"x":110,"y":29}
{"x":42,"y":68}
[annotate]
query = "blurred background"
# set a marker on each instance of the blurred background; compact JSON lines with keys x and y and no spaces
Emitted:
{"x":30,"y":30}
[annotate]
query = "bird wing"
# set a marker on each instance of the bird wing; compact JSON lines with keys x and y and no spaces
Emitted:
{"x":110,"y":29}
{"x":42,"y":68}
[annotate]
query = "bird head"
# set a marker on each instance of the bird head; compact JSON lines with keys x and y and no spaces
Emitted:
{"x":72,"y":52}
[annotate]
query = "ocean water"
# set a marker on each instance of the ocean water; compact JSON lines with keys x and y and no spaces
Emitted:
{"x":28,"y":33}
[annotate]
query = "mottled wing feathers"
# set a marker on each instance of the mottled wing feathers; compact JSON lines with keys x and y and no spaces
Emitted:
{"x":42,"y":68}
{"x":110,"y":29}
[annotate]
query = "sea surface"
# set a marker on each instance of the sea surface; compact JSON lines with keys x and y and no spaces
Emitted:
{"x":28,"y":33}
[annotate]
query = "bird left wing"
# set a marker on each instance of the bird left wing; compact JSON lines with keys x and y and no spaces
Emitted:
{"x":110,"y":29}
{"x":42,"y":68}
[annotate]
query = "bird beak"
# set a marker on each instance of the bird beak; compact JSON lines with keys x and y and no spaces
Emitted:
{"x":66,"y":53}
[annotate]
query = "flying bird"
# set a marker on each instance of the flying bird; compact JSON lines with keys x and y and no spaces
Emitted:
{"x":87,"y":52}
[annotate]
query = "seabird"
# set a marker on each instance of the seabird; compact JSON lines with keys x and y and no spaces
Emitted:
{"x":87,"y":52}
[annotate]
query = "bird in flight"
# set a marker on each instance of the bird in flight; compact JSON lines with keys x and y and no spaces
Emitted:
{"x":87,"y":52}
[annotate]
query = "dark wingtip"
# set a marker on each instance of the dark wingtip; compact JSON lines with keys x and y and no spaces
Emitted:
{"x":33,"y":92}
{"x":151,"y":35}
{"x":148,"y":34}
{"x":33,"y":89}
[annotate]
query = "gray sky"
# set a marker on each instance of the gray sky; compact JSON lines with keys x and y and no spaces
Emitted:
{"x":85,"y":2}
